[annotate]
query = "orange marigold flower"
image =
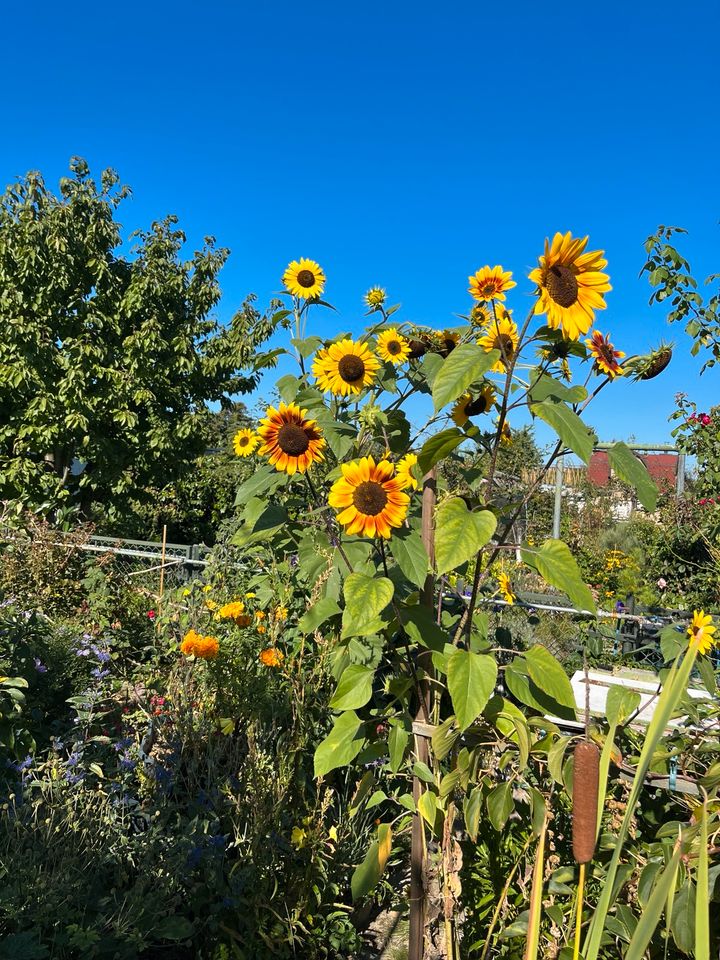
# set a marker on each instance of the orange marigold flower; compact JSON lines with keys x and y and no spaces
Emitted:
{"x":271,"y":657}
{"x":194,"y":644}
{"x":234,"y":611}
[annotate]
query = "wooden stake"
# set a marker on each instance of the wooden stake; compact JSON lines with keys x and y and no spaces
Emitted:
{"x":162,"y":574}
{"x":416,"y":943}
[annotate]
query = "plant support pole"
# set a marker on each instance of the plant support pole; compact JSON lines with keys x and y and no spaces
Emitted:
{"x":416,"y":940}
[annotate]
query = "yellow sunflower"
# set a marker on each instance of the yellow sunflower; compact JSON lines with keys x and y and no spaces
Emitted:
{"x":393,"y":346}
{"x":506,"y":588}
{"x":506,"y":434}
{"x":570,"y":284}
{"x":345,"y":367}
{"x":467,"y":406}
{"x":369,"y":498}
{"x":290,"y":441}
{"x":405,"y":472}
{"x":605,"y":355}
{"x":304,"y":278}
{"x":245,"y":441}
{"x":501,"y":334}
{"x":701,"y":630}
{"x":480,"y":315}
{"x":490,"y":283}
{"x":375,"y":297}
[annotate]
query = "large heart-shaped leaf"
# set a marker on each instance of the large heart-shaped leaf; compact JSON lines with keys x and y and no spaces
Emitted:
{"x":460,"y":533}
{"x":365,"y":599}
{"x":471,"y":680}
{"x":465,"y":365}
{"x":567,"y":425}
{"x":557,"y":566}
{"x":633,"y":471}
{"x":340,"y":746}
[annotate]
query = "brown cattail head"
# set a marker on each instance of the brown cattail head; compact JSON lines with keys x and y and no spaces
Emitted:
{"x":586,"y":772}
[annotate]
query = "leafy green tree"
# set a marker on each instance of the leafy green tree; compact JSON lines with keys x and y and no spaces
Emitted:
{"x":109,"y":357}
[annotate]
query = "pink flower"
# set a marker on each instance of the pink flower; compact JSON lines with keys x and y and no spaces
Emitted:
{"x":662,"y":583}
{"x":702,"y":501}
{"x":151,"y":614}
{"x":705,"y":420}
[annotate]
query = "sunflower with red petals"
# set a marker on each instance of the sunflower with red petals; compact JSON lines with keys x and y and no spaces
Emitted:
{"x":290,"y":441}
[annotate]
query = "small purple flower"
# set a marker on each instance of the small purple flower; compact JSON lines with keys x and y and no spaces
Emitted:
{"x":99,"y":674}
{"x":40,"y":666}
{"x":73,"y":778}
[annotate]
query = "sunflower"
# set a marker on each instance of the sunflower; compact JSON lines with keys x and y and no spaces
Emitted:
{"x":447,"y":341}
{"x":480,"y":315}
{"x":506,"y":434}
{"x":290,"y":441}
{"x":502,"y":335}
{"x":304,"y":278}
{"x":196,"y":645}
{"x":375,"y":297}
{"x":404,"y":471}
{"x":570,"y":284}
{"x":345,"y":367}
{"x":271,"y":657}
{"x":369,"y":498}
{"x":490,"y":283}
{"x":605,"y":355}
{"x":393,"y":346}
{"x":467,"y":407}
{"x":701,"y":630}
{"x":245,"y":441}
{"x":506,"y":588}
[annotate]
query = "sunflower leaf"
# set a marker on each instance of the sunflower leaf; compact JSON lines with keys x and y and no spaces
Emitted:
{"x":633,"y":471}
{"x":341,"y":745}
{"x":471,"y":679}
{"x":567,"y":425}
{"x":557,"y":566}
{"x":365,"y":599}
{"x":460,"y":533}
{"x":466,"y":364}
{"x":438,"y":447}
{"x":410,"y":555}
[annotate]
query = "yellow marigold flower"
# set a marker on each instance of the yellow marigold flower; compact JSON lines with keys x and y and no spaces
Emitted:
{"x":271,"y":657}
{"x":262,"y":628}
{"x":405,"y":471}
{"x":345,"y":368}
{"x":196,"y":645}
{"x":501,"y":334}
{"x":304,"y":278}
{"x":701,"y":630}
{"x":490,"y":283}
{"x":234,"y":611}
{"x":186,"y":593}
{"x":570,"y":284}
{"x":369,"y":498}
{"x":260,"y":615}
{"x":605,"y":355}
{"x":210,"y":604}
{"x":249,"y":596}
{"x":505,"y":588}
{"x":281,"y":613}
{"x":375,"y":297}
{"x":207,"y":588}
{"x":393,"y":346}
{"x":291,"y":442}
{"x":245,"y":442}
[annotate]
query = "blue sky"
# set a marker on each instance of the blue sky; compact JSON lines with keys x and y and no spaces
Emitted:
{"x":404,"y":144}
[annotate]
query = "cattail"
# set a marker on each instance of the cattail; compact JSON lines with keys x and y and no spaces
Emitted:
{"x":586,"y":773}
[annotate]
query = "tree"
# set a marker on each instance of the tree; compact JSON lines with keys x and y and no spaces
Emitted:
{"x":108,"y":361}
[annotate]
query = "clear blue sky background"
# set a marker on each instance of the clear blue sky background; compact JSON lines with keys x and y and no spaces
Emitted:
{"x":404,"y":144}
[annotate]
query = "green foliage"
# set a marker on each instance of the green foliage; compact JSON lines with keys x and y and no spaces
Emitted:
{"x":108,"y":360}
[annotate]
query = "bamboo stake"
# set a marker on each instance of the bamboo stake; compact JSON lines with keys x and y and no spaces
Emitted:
{"x":416,"y":940}
{"x":162,"y":575}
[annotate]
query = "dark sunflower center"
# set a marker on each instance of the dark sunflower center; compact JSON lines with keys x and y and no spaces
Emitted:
{"x":504,"y":344}
{"x":394,"y":347}
{"x":244,"y":441}
{"x":562,"y":285}
{"x":351,"y":368}
{"x":488,"y":289}
{"x":479,"y":405}
{"x":306,"y":278}
{"x":292,"y":439}
{"x":370,"y":498}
